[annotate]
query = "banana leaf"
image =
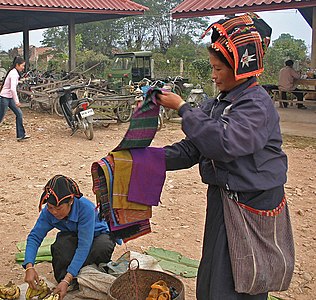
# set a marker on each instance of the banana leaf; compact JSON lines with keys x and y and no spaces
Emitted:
{"x":43,"y":253}
{"x":47,"y":241}
{"x":175,"y":262}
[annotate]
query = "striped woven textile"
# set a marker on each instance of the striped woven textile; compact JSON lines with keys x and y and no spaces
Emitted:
{"x":143,"y":124}
{"x":141,"y":131}
{"x":100,"y":189}
{"x":102,"y":178}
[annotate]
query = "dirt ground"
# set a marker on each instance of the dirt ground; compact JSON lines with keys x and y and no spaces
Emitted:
{"x":177,"y":224}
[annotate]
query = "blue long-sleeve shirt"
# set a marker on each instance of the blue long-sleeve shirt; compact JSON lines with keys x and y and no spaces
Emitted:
{"x":83,"y":220}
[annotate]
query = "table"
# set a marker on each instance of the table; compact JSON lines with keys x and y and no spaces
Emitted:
{"x":306,"y":82}
{"x":309,"y":87}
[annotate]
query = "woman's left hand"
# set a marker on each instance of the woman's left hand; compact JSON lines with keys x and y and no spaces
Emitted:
{"x":170,"y":100}
{"x":61,"y":289}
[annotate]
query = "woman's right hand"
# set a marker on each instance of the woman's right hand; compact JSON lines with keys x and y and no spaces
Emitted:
{"x":32,"y":278}
{"x":170,"y":100}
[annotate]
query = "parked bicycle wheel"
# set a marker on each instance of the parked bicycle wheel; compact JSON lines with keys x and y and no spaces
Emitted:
{"x":24,"y":97}
{"x":44,"y":106}
{"x":57,"y":108}
{"x":124,"y":111}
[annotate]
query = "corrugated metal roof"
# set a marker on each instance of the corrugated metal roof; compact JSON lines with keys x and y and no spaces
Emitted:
{"x":199,"y":8}
{"x":113,"y":6}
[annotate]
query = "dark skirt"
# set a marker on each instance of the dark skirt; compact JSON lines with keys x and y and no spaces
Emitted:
{"x":63,"y":251}
{"x":215,"y":279}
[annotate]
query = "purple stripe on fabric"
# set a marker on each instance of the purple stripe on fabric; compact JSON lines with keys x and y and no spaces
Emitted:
{"x":142,"y":133}
{"x":148,"y":175}
{"x":152,"y":112}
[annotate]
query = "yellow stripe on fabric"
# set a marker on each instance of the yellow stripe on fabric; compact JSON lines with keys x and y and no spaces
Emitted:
{"x":123,"y":163}
{"x":107,"y":177}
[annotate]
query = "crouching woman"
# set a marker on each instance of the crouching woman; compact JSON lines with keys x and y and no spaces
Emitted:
{"x":82,"y":240}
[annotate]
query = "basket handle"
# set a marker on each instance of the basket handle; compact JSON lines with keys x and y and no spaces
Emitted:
{"x":162,"y":294}
{"x":130,"y":264}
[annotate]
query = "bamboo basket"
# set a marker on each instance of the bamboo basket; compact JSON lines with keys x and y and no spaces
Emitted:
{"x":135,"y":284}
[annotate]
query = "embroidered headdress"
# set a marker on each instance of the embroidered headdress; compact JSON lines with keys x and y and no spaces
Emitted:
{"x":243,"y":41}
{"x":59,"y":190}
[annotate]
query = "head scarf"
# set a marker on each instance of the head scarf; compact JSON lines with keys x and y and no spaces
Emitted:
{"x":243,"y":41}
{"x":59,"y":190}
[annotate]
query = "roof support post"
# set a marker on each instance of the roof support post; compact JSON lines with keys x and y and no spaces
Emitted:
{"x":26,"y":43}
{"x":71,"y":43}
{"x":313,"y":58}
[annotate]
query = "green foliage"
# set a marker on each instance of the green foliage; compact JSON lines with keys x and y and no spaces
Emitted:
{"x":202,"y":68}
{"x":6,"y":61}
{"x":79,"y":42}
{"x":57,"y":38}
{"x":283,"y":48}
{"x":153,"y":30}
{"x":88,"y":59}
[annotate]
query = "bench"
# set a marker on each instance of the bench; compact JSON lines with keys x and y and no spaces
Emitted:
{"x":276,"y":97}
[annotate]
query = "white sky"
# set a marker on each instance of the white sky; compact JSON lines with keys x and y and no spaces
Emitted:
{"x":281,"y":21}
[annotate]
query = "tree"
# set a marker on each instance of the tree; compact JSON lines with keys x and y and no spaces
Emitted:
{"x":153,"y":30}
{"x":283,"y":48}
{"x":166,"y":32}
{"x":57,"y":38}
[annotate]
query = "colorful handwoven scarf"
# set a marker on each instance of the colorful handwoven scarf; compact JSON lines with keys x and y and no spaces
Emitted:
{"x":128,"y":220}
{"x":102,"y":178}
{"x":122,"y":174}
{"x":143,"y":124}
{"x":243,"y":41}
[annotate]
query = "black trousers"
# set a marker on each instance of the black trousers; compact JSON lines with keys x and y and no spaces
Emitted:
{"x":63,"y":250}
{"x":298,"y":95}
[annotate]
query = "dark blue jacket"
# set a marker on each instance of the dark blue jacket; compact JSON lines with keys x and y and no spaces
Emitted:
{"x":236,"y":140}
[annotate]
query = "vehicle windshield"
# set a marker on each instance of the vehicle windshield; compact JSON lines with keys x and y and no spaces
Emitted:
{"x":122,"y":63}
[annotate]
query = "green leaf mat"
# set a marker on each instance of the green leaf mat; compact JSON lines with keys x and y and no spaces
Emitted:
{"x":175,"y":262}
{"x":43,"y":254}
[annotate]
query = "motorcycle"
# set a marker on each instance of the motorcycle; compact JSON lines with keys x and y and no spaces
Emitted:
{"x":196,"y":96}
{"x":76,"y":111}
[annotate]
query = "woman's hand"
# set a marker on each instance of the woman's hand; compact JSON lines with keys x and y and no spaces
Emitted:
{"x":61,"y":289}
{"x":170,"y":100}
{"x":31,"y":277}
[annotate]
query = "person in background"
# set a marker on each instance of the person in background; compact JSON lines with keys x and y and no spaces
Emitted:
{"x":287,"y":77}
{"x":9,"y":97}
{"x":82,"y":240}
{"x":236,"y":140}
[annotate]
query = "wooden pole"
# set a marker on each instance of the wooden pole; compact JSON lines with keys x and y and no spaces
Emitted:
{"x":26,"y":44}
{"x":181,"y":67}
{"x":313,"y":55}
{"x":72,"y":43}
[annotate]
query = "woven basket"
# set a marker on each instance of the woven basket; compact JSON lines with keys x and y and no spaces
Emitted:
{"x":135,"y":284}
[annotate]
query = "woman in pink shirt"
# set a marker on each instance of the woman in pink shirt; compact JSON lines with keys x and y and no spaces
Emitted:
{"x":9,"y":97}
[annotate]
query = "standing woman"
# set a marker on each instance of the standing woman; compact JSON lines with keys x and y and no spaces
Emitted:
{"x":9,"y":97}
{"x":236,"y":140}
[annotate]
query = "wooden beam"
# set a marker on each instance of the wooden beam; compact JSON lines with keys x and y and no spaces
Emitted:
{"x":71,"y":43}
{"x":313,"y":54}
{"x":26,"y":43}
